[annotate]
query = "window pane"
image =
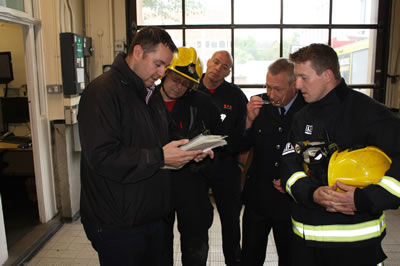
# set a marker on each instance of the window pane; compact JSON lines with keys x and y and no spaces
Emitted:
{"x":306,"y":12}
{"x":208,"y":11}
{"x":177,"y":37}
{"x":266,"y":12}
{"x":367,"y":92}
{"x":355,"y":12}
{"x":356,"y":52}
{"x":255,"y":49}
{"x":294,"y":39}
{"x":251,"y":92}
{"x":161,"y":12}
{"x":14,"y":4}
{"x":207,"y":41}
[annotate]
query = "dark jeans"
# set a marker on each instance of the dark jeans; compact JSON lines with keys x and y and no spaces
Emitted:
{"x":138,"y":246}
{"x":226,"y":187}
{"x":256,"y":228}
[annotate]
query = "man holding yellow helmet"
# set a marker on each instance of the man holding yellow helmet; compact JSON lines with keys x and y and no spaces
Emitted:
{"x":331,"y":220}
{"x":194,"y":114}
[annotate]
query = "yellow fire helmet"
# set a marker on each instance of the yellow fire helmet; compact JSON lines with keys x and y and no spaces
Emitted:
{"x":186,"y":63}
{"x":358,"y":168}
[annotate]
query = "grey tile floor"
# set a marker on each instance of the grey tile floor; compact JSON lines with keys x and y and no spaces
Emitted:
{"x":69,"y":246}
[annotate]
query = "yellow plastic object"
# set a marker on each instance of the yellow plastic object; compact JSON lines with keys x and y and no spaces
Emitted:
{"x":187,"y":63}
{"x":358,"y":168}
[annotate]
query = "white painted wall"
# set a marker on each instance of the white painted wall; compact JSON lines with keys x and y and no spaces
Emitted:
{"x":104,"y":22}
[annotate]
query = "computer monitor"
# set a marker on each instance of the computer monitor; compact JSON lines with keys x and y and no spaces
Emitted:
{"x":15,"y":110}
{"x":6,"y":70}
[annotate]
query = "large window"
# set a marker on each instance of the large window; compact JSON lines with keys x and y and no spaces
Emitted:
{"x":14,"y":4}
{"x":258,"y":32}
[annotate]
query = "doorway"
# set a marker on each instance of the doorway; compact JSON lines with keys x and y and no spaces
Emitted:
{"x":40,"y":135}
{"x":17,"y":175}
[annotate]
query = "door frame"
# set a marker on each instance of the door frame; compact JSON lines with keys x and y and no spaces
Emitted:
{"x":37,"y":97}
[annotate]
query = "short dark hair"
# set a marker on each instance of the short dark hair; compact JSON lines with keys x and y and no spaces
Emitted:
{"x":149,"y":37}
{"x":283,"y":65}
{"x":322,"y":57}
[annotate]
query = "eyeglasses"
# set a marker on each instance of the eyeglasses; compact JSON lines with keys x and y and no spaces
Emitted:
{"x":267,"y":100}
{"x":175,"y":78}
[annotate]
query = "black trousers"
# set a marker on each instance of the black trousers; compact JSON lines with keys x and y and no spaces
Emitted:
{"x":256,"y":228}
{"x":138,"y":246}
{"x":315,"y":256}
{"x":225,"y":183}
{"x":194,"y":214}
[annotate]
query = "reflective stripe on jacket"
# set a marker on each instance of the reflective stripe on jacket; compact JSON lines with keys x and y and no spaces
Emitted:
{"x":341,"y":232}
{"x":296,"y":176}
{"x":391,"y":184}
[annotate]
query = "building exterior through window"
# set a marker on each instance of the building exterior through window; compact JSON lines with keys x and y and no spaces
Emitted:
{"x":258,"y":32}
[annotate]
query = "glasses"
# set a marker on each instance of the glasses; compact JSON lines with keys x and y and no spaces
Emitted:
{"x":267,"y":100}
{"x":175,"y":78}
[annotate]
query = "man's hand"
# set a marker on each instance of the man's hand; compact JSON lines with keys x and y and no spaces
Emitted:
{"x":253,"y":109}
{"x":334,"y":201}
{"x":277,"y":184}
{"x":175,"y":157}
{"x":203,"y":155}
{"x":344,"y":200}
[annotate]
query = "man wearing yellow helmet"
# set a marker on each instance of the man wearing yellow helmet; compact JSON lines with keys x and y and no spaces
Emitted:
{"x":332,"y":227}
{"x":194,"y":114}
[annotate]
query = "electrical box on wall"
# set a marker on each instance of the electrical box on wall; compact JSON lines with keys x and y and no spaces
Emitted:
{"x":71,"y":109}
{"x":71,"y":115}
{"x":73,"y":49}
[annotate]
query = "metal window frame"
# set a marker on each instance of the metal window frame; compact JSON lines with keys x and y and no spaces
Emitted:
{"x":382,"y":43}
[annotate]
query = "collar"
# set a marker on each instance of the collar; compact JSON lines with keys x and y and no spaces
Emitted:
{"x":338,"y":94}
{"x":287,"y":107}
{"x":212,"y":90}
{"x":127,"y":76}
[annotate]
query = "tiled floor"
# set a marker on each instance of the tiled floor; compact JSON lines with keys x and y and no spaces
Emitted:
{"x":69,"y":246}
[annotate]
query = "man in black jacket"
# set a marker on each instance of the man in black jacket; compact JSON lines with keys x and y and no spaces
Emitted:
{"x":225,"y":172}
{"x":124,"y":133}
{"x":194,"y":114}
{"x":267,"y":206}
{"x":333,"y":227}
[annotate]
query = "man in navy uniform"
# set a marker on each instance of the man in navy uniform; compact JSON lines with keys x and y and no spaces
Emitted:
{"x":267,"y":205}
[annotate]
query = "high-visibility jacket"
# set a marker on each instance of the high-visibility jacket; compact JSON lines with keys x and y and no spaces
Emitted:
{"x":349,"y":119}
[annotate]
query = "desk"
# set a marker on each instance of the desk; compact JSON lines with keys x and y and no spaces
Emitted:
{"x":17,"y":161}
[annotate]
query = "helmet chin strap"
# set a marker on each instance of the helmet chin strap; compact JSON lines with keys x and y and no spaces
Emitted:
{"x":166,"y":94}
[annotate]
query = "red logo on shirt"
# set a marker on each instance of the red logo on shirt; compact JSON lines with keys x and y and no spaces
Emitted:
{"x":227,"y":106}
